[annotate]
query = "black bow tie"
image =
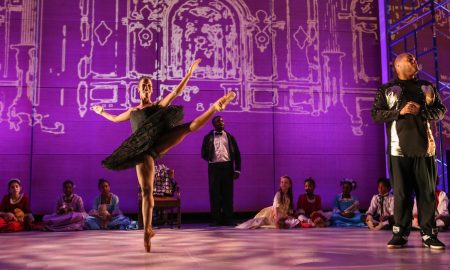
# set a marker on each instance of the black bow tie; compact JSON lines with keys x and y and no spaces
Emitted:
{"x":218,"y":133}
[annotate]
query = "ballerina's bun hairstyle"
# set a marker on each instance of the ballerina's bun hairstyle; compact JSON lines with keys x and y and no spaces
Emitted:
{"x":141,"y":79}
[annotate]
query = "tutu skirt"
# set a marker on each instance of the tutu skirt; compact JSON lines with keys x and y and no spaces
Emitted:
{"x":158,"y":121}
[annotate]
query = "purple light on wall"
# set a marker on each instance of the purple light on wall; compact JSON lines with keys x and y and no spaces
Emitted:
{"x":303,"y":89}
{"x":384,"y":53}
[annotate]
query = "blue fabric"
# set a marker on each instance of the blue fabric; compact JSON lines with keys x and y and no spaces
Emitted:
{"x":112,"y":207}
{"x":340,"y":221}
{"x":118,"y":221}
{"x":341,"y":205}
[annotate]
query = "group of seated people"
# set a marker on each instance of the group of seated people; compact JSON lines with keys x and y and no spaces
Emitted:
{"x":345,"y":212}
{"x":70,"y":215}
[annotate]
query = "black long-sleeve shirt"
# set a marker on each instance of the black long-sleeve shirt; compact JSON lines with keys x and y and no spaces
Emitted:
{"x":409,"y":135}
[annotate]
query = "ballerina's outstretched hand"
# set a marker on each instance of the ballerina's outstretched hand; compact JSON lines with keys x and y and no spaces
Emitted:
{"x":167,"y":100}
{"x":98,"y":109}
{"x":194,"y":66}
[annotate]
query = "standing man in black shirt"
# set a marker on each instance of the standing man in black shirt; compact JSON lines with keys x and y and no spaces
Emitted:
{"x":221,"y":151}
{"x":408,"y":105}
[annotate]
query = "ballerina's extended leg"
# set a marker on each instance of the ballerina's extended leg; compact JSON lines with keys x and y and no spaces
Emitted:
{"x":178,"y":133}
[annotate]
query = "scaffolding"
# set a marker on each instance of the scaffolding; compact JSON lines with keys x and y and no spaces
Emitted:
{"x":422,"y":28}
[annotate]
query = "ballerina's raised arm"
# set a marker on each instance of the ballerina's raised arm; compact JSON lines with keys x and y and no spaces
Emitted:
{"x":167,"y":100}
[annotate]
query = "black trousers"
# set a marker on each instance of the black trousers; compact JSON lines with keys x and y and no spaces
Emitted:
{"x":220,"y":176}
{"x":414,"y":176}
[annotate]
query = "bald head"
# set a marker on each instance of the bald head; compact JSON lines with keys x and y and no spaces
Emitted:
{"x":400,"y":57}
{"x":405,"y":66}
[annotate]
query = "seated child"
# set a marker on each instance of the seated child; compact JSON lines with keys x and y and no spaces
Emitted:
{"x":105,"y":213}
{"x":309,"y":207}
{"x":346,"y":207}
{"x":15,"y":212}
{"x":380,"y":214}
{"x":280,"y":215}
{"x":442,"y":216}
{"x":69,"y":213}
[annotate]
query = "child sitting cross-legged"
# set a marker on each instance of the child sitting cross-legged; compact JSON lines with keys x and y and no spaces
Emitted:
{"x":309,"y":207}
{"x":346,"y":207}
{"x":380,"y":214}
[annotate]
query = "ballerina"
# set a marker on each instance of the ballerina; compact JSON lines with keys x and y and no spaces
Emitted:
{"x":156,"y":129}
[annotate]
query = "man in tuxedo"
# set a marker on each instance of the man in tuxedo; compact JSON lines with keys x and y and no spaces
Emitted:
{"x":221,"y":151}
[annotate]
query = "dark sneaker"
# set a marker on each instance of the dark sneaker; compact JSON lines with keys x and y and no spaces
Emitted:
{"x":397,"y":241}
{"x":431,"y":241}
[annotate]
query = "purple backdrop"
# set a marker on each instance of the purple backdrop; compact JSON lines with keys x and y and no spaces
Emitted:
{"x":305,"y":72}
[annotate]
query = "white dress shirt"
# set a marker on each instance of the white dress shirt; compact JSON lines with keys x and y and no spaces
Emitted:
{"x":221,"y":153}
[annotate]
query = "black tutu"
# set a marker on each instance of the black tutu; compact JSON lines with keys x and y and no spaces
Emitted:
{"x":156,"y":121}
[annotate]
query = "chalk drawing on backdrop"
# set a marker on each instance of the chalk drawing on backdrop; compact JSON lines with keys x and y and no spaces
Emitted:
{"x":19,"y":98}
{"x":319,"y":61}
{"x":306,"y":76}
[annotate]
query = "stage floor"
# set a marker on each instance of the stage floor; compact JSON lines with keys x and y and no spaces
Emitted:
{"x":200,"y":247}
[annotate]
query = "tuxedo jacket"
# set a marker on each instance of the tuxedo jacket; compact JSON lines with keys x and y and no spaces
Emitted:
{"x":233,"y":149}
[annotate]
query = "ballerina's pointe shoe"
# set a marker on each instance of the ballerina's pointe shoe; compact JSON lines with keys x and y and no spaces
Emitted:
{"x":222,"y":102}
{"x":147,"y":240}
